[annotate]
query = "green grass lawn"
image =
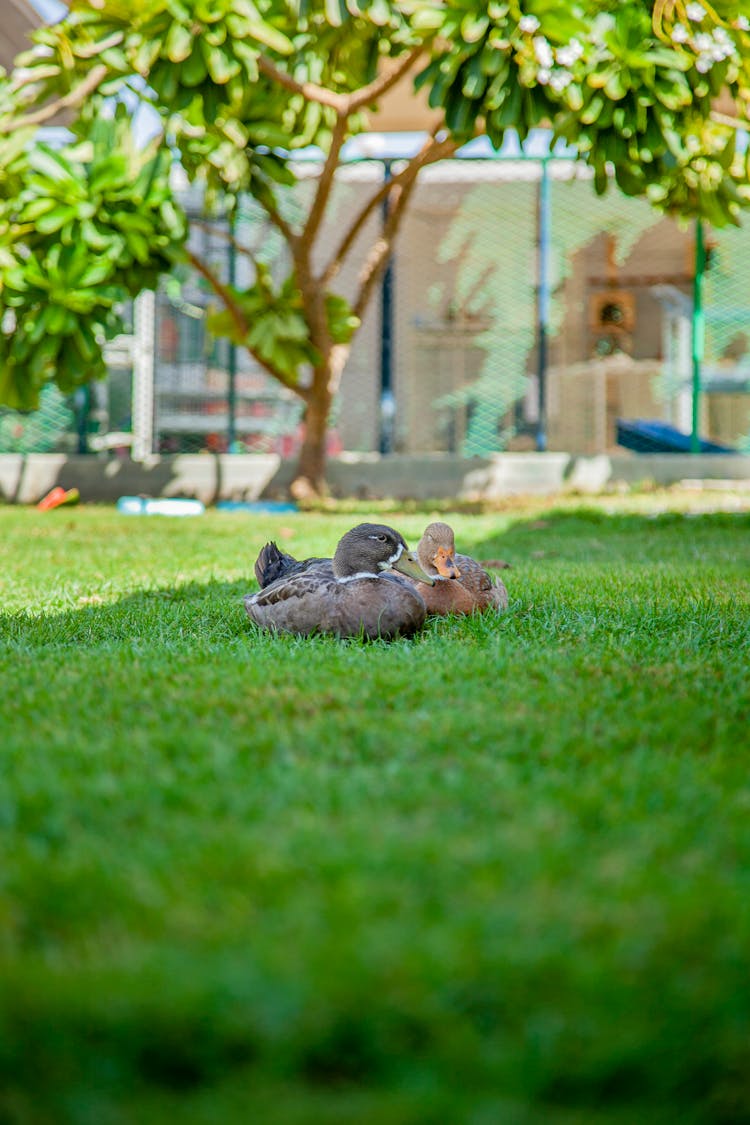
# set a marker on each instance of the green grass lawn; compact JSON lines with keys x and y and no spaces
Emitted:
{"x":497,"y":875}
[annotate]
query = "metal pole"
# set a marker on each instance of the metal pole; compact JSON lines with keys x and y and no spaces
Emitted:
{"x":387,"y":398}
{"x":144,"y":342}
{"x":232,"y":355}
{"x":544,"y":228}
{"x":82,"y":401}
{"x":697,"y":334}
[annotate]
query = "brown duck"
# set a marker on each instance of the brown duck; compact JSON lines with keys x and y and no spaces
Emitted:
{"x":353,"y":594}
{"x":461,"y":584}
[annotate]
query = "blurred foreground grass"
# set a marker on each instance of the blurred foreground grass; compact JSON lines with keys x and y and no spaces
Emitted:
{"x":499,"y":874}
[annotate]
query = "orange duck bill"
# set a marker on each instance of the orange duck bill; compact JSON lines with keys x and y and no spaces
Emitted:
{"x":445,"y":563}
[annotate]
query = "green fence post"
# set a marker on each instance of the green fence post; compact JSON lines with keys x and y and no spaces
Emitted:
{"x":697,"y":333}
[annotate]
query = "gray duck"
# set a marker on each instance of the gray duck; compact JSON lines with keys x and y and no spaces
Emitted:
{"x":353,"y":594}
{"x":460,"y":583}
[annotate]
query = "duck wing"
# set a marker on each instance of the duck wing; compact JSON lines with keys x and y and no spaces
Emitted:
{"x":486,"y":590}
{"x":272,"y":564}
{"x":314,"y":601}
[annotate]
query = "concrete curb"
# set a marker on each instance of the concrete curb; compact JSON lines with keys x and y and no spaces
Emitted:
{"x":24,"y":479}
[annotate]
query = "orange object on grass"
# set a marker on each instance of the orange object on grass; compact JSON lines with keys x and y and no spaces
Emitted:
{"x":58,"y":496}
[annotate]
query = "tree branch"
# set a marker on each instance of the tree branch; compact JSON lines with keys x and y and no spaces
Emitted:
{"x":69,"y":101}
{"x":221,"y":232}
{"x":309,"y":90}
{"x":224,"y":292}
{"x":221,"y":290}
{"x":325,"y":183}
{"x":432,"y":151}
{"x":367,"y":94}
{"x":726,"y":119}
{"x":344,"y":104}
{"x":281,"y":225}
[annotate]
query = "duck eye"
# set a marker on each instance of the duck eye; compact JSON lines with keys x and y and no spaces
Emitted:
{"x":383,"y":538}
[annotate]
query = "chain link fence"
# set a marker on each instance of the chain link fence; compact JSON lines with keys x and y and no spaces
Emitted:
{"x":725,"y":401}
{"x":523,"y":312}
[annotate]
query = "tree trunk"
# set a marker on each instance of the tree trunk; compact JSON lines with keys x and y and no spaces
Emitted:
{"x":310,"y":479}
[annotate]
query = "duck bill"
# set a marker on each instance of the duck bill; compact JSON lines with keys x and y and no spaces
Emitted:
{"x":445,"y":564}
{"x":409,"y":566}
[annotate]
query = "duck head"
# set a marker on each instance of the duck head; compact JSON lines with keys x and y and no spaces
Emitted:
{"x":437,"y":551}
{"x":371,"y":548}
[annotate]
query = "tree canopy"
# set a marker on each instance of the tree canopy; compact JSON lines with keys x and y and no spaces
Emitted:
{"x":239,"y":86}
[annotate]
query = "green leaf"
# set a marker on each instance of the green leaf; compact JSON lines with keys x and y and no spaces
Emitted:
{"x":179,"y":43}
{"x":615,"y":87}
{"x":55,"y":219}
{"x":336,"y":12}
{"x":474,"y":26}
{"x":95,"y":273}
{"x":193,"y":70}
{"x":220,"y":64}
{"x":270,"y":37}
{"x":36,"y":208}
{"x":50,"y":164}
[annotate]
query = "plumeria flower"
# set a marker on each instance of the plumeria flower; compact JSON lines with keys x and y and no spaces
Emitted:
{"x":723,"y":43}
{"x":528,"y":24}
{"x":712,"y":48}
{"x":569,"y":54}
{"x":543,"y":52}
{"x":560,"y":80}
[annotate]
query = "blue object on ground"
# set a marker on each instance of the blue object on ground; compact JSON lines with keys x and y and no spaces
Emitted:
{"x":268,"y":507}
{"x":159,"y":506}
{"x":645,"y":436}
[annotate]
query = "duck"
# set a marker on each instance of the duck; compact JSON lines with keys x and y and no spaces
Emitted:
{"x":356,"y":593}
{"x":460,"y":583}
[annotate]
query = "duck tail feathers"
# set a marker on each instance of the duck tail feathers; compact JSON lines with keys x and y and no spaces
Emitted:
{"x":271,"y":564}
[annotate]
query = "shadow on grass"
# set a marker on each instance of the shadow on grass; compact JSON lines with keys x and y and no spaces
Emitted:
{"x":208,"y":616}
{"x":211,"y":612}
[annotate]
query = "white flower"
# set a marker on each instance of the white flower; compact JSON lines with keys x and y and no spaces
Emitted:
{"x":543,"y":52}
{"x":742,"y":23}
{"x":723,"y":45}
{"x":543,"y":76}
{"x":528,"y":24}
{"x":712,"y":48}
{"x":680,"y":33}
{"x":569,"y":54}
{"x":695,"y":12}
{"x":560,"y":80}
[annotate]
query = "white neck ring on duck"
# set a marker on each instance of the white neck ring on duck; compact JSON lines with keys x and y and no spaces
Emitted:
{"x":397,"y":555}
